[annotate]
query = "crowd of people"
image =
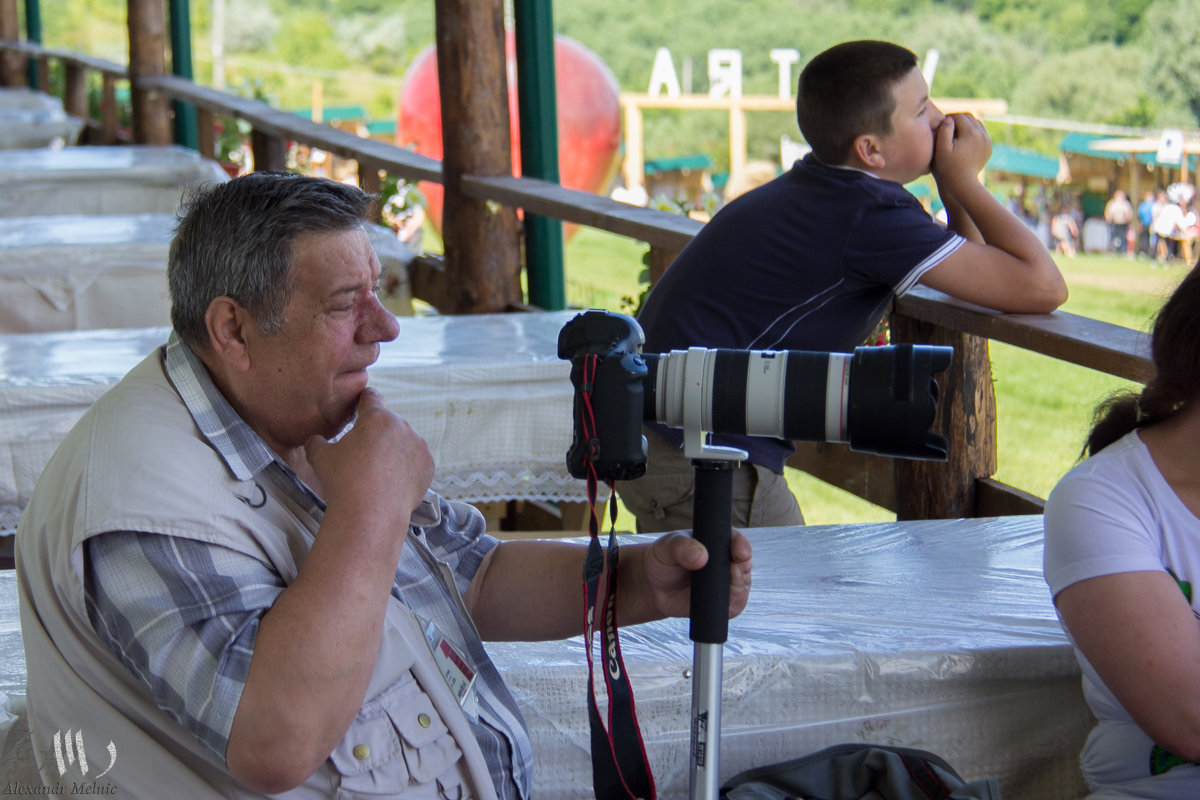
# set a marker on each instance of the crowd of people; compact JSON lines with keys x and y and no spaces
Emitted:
{"x":1162,"y":228}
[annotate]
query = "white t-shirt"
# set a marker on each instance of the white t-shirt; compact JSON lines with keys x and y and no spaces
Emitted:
{"x":1116,"y":513}
{"x":1168,"y":220}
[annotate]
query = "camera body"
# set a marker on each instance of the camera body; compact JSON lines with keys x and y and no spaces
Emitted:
{"x":609,"y":374}
{"x":879,"y":400}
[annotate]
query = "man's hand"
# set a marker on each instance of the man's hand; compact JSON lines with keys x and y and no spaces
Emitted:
{"x":961,"y":149}
{"x":667,"y":568}
{"x":381,"y":463}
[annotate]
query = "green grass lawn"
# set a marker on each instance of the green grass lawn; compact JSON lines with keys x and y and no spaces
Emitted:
{"x":1044,"y":406}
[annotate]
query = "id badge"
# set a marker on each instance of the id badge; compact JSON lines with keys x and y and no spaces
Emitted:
{"x":455,"y":667}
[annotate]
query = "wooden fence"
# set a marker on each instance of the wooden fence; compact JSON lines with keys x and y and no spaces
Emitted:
{"x":961,"y":487}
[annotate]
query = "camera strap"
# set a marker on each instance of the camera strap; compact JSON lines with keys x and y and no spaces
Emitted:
{"x":620,"y":768}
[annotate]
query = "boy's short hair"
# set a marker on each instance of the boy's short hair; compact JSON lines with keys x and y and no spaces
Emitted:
{"x":846,"y":91}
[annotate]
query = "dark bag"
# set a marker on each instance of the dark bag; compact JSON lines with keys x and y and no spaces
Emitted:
{"x":859,"y":772}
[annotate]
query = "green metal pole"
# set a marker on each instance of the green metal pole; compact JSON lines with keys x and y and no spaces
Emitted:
{"x":537,"y":112}
{"x":181,"y":67}
{"x":33,"y":34}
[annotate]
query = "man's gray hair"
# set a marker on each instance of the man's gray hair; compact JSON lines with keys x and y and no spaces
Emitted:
{"x":235,"y":240}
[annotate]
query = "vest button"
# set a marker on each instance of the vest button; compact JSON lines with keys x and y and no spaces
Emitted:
{"x":362,"y":752}
{"x":424,"y":721}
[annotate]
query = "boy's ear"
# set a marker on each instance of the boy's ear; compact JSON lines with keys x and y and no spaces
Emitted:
{"x":867,"y":152}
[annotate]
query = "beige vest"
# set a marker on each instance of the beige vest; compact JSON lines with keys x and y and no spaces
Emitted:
{"x":135,"y":461}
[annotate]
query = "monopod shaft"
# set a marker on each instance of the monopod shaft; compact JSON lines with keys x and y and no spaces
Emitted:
{"x":712,"y":512}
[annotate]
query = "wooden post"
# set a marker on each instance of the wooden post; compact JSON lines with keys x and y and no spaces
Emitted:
{"x":657,"y":261}
{"x":206,"y":141}
{"x":147,"y":59}
{"x":75,"y":99}
{"x":369,"y":181}
{"x":482,"y":240}
{"x":966,"y":417}
{"x":110,"y":119}
{"x":270,"y":152}
{"x":12,"y":64}
{"x":633,"y":165}
{"x":42,"y":72}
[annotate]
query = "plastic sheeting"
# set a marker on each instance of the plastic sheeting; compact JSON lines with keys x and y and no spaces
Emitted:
{"x":17,"y":767}
{"x":21,"y":129}
{"x":126,"y":179}
{"x":487,"y":392}
{"x":84,"y":271}
{"x":34,"y":119}
{"x":938,"y":635}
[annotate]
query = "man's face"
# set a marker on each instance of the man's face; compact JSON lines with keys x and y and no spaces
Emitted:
{"x":307,"y":379}
{"x":908,"y":149}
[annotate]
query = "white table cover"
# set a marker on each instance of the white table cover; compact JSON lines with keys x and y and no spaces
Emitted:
{"x":124,"y":179}
{"x":937,"y":635}
{"x":87,"y":271}
{"x":21,"y":98}
{"x":488,"y":392}
{"x":23,"y":128}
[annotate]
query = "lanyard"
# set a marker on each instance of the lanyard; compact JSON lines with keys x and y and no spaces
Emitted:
{"x":620,"y":768}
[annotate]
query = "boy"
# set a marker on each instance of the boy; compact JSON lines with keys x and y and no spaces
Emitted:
{"x":811,"y":260}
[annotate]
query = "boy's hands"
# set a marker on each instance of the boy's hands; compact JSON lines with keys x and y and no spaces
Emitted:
{"x":961,"y":149}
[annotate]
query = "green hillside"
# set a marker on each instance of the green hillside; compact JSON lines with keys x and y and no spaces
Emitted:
{"x":1127,"y":62}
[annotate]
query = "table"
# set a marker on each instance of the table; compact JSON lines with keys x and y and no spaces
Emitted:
{"x":487,"y":392}
{"x":22,"y":128}
{"x":85,"y":271}
{"x":30,"y":118}
{"x":21,"y":98}
{"x":938,"y":635}
{"x":119,"y":179}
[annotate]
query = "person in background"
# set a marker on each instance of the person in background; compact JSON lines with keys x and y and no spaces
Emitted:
{"x":1145,"y":220}
{"x":1167,"y":224}
{"x":233,"y":568}
{"x":812,"y":259}
{"x":1064,"y":231}
{"x":1122,"y":560}
{"x":1118,"y":213}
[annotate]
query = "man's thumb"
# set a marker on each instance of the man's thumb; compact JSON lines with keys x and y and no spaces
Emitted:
{"x":314,"y":445}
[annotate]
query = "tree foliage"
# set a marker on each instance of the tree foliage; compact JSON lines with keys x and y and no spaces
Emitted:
{"x":1130,"y":62}
{"x":1172,"y":39}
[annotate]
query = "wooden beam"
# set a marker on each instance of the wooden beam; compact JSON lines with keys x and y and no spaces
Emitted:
{"x":966,"y":417}
{"x":147,"y":59}
{"x":1102,"y":346}
{"x":482,"y":240}
{"x":205,"y":120}
{"x":286,"y":126}
{"x":865,"y":475}
{"x":75,"y":99}
{"x":995,"y":499}
{"x":658,"y":228}
{"x":12,"y":63}
{"x":109,"y":113}
{"x":270,"y":152}
{"x":428,"y":282}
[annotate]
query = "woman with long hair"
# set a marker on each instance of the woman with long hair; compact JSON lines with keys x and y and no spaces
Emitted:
{"x":1122,"y":557}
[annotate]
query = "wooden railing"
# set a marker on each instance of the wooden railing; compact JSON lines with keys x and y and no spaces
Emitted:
{"x":961,"y":487}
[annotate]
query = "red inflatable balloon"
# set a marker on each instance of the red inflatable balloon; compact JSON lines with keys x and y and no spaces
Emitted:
{"x":589,"y":117}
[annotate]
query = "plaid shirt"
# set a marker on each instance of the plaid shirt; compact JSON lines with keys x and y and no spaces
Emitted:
{"x":183,"y":615}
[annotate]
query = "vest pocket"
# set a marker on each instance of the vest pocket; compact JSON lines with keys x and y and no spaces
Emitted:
{"x":397,"y":739}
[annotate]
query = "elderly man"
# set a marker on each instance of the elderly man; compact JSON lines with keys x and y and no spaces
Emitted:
{"x":242,"y":597}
